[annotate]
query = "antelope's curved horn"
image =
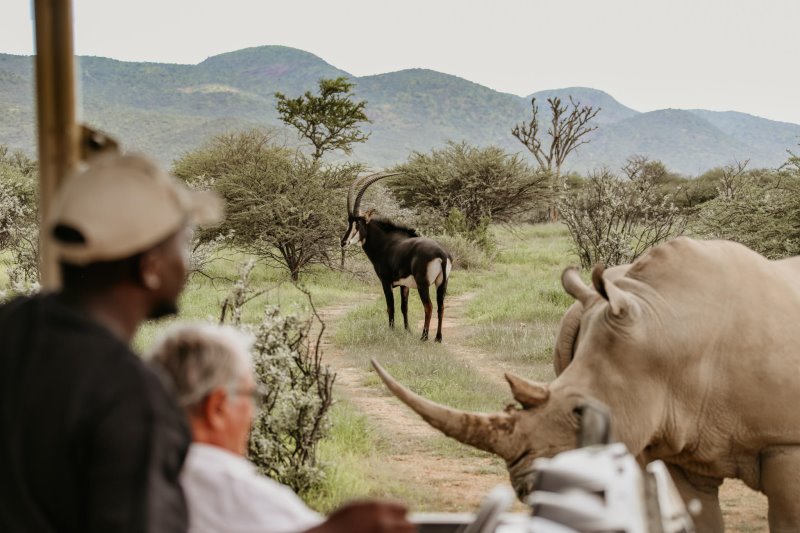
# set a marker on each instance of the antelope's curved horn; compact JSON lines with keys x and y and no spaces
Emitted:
{"x":362,"y":187}
{"x":351,"y":193}
{"x":528,"y":393}
{"x":575,"y":286}
{"x":488,"y":432}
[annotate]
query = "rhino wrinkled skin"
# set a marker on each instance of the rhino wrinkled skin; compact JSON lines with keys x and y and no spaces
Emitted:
{"x":695,"y":348}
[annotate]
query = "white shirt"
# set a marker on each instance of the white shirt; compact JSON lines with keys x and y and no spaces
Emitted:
{"x":225,"y":494}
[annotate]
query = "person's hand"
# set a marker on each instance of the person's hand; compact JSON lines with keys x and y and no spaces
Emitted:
{"x":367,"y":517}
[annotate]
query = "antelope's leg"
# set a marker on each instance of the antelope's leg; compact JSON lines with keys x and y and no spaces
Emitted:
{"x":425,"y":296}
{"x":387,"y":292}
{"x":441,"y":290}
{"x":404,"y":304}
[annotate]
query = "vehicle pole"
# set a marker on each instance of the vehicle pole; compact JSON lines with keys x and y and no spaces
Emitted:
{"x":57,"y":128}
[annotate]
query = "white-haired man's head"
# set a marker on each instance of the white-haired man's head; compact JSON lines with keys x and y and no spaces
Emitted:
{"x":211,"y":370}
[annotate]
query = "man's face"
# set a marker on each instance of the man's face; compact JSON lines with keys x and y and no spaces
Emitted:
{"x":171,"y":265}
{"x":240,"y":411}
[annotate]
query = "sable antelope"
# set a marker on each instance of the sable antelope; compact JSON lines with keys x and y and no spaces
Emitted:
{"x":399,"y":255}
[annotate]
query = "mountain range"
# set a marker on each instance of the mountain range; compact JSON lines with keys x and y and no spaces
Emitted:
{"x":168,"y":109}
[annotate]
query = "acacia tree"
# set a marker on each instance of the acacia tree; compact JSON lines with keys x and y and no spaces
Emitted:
{"x":731,"y":179}
{"x":567,"y":131}
{"x":328,"y":120}
{"x":479,"y":184}
{"x":282,"y":206}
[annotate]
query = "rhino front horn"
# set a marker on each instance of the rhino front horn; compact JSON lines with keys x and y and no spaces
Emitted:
{"x":488,"y":432}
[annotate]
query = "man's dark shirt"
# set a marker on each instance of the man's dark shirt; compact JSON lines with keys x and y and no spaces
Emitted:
{"x":90,"y":440}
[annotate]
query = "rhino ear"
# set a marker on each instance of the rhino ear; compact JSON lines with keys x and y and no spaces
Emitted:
{"x":527,"y":393}
{"x":567,"y":337}
{"x":597,"y":279}
{"x":575,"y":287}
{"x":619,"y":300}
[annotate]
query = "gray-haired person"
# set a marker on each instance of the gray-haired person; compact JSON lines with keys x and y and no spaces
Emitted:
{"x":211,"y":369}
{"x":91,"y":440}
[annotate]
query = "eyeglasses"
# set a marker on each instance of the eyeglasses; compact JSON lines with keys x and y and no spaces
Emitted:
{"x":258,"y":394}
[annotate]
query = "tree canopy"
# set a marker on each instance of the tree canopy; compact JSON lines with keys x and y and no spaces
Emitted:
{"x":328,"y":120}
{"x":282,"y":206}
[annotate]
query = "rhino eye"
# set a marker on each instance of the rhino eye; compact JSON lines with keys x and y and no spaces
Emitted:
{"x":594,"y":423}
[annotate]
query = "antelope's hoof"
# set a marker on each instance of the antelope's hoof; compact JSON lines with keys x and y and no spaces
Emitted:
{"x":437,"y":339}
{"x":424,"y":337}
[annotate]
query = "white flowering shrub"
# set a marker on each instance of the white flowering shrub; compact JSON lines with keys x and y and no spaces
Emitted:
{"x":299,"y":390}
{"x":19,"y":234}
{"x":614,"y":220}
{"x":293,"y":417}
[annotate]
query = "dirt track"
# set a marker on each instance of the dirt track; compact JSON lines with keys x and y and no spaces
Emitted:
{"x":460,"y":483}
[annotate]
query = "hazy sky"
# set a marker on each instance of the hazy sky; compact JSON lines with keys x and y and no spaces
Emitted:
{"x":721,"y":55}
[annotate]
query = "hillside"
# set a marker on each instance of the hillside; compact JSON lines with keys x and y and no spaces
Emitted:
{"x":683,"y":140}
{"x":166,"y":109}
{"x":612,"y":111}
{"x":769,"y":139}
{"x":420,"y":109}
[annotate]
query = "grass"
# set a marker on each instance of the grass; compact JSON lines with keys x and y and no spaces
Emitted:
{"x":423,"y":367}
{"x":352,"y":454}
{"x":203,"y":296}
{"x":519,"y":303}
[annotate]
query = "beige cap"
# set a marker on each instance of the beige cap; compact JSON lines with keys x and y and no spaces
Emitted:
{"x":121,"y":205}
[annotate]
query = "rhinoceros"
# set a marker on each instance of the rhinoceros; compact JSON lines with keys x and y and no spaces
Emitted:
{"x":695,"y":348}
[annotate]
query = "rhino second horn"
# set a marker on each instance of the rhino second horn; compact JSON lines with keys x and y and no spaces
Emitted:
{"x":488,"y":432}
{"x":527,"y":393}
{"x":575,"y":286}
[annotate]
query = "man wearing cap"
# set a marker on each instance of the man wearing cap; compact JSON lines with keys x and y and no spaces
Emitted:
{"x":91,"y":440}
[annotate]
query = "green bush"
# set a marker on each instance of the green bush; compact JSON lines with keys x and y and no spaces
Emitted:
{"x":758,"y":209}
{"x":466,"y":254}
{"x":482,"y":184}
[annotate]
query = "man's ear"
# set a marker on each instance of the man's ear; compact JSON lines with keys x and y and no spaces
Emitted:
{"x":150,"y":265}
{"x":213,"y":409}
